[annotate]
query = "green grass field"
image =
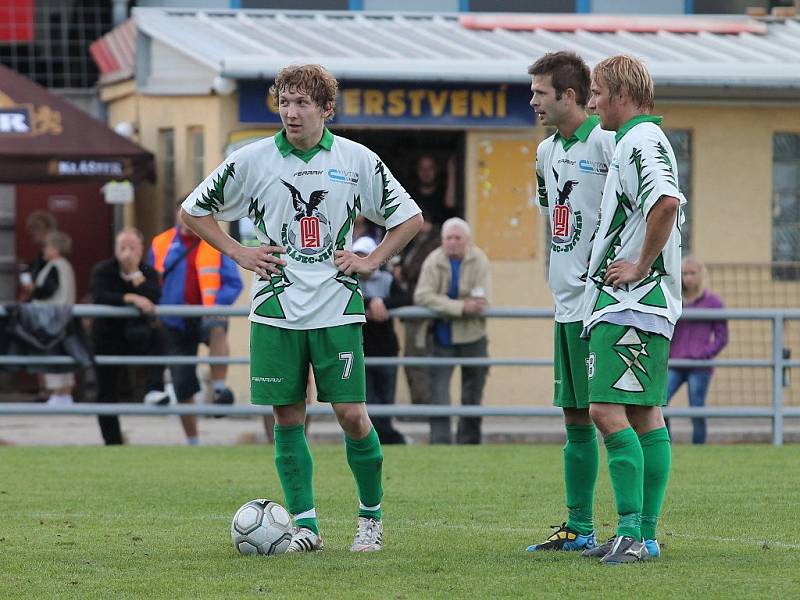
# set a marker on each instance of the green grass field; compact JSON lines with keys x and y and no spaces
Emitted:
{"x":144,"y":522}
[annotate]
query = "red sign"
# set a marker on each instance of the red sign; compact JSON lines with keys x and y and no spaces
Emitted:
{"x":16,"y":21}
{"x":309,"y":232}
{"x":561,"y":220}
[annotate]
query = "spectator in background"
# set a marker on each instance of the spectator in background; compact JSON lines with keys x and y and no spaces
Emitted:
{"x":55,"y":284}
{"x":417,"y":342}
{"x":364,"y":227}
{"x":702,"y":340}
{"x":39,"y":223}
{"x":381,"y":292}
{"x":438,"y":202}
{"x":125,"y":280}
{"x":194,"y":273}
{"x":455,"y":282}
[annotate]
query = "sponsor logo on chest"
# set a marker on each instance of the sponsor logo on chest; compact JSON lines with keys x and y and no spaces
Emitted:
{"x":307,"y":236}
{"x":567,"y":224}
{"x":593,"y":166}
{"x":343,"y":176}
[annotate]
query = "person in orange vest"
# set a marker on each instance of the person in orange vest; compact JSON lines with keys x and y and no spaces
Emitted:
{"x":193,"y":272}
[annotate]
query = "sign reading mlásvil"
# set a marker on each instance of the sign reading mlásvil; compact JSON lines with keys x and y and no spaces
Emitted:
{"x":383,"y":103}
{"x":91,"y":168}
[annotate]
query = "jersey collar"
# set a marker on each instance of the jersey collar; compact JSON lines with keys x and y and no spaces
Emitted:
{"x":286,"y":148}
{"x":581,"y":133}
{"x":628,"y":125}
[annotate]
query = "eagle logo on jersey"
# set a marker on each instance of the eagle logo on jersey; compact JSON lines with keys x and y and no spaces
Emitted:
{"x":302,"y":207}
{"x":307,"y":236}
{"x":566,"y":224}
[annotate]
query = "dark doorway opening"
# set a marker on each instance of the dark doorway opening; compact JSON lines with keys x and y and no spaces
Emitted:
{"x":401,"y":150}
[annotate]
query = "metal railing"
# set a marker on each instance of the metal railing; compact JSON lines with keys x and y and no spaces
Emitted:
{"x":777,"y":412}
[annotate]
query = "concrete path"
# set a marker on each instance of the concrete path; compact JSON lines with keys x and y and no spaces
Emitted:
{"x":81,"y":430}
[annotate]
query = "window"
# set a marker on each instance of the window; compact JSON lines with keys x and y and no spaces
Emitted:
{"x":196,"y":152}
{"x":48,"y":42}
{"x":786,"y":205}
{"x":166,"y":174}
{"x":681,"y":142}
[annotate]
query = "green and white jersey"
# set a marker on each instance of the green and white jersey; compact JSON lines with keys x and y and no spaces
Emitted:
{"x":308,"y":203}
{"x":570,"y":175}
{"x":642,"y":171}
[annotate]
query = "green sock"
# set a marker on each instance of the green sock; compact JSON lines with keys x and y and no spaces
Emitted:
{"x":581,"y":458}
{"x":626,"y":469}
{"x":295,"y":470}
{"x":657,"y":452}
{"x":365,"y":458}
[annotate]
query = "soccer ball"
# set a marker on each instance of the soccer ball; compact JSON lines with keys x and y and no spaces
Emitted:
{"x":261,"y":527}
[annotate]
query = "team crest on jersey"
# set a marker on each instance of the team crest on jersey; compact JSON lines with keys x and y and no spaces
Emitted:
{"x":567,"y":224}
{"x":307,"y":236}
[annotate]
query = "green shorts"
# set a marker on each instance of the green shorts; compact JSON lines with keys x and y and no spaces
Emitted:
{"x":627,"y":366}
{"x":570,"y":356}
{"x":279,"y":360}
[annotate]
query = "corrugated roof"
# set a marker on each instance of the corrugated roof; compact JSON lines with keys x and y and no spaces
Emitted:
{"x":115,"y":52}
{"x":688,"y":51}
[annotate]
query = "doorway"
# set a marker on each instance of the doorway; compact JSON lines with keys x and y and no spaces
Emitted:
{"x":401,"y":150}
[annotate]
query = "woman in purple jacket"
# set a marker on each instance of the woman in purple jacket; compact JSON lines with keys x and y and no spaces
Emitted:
{"x":701,"y":340}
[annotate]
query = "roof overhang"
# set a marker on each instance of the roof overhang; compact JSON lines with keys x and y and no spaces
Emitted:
{"x":185,"y":48}
{"x":510,"y":71}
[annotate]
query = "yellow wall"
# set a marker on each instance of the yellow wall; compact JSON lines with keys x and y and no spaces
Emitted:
{"x":731,"y":211}
{"x":732,"y":186}
{"x":501,"y":191}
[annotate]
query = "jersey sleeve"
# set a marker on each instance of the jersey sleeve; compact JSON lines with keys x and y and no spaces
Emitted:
{"x":651,"y":172}
{"x":221,"y":194}
{"x":388,"y":203}
{"x":541,"y":186}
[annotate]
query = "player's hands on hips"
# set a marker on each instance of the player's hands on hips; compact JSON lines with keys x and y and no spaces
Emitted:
{"x":621,"y":272}
{"x":261,"y":260}
{"x":351,"y":264}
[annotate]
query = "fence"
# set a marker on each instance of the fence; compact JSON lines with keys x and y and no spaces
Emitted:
{"x":777,"y":363}
{"x":774,"y":285}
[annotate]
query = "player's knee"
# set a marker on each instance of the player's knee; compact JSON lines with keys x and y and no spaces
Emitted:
{"x":645,"y":418}
{"x":289,"y":415}
{"x":605,"y":417}
{"x":577,"y":416}
{"x":354,"y":420}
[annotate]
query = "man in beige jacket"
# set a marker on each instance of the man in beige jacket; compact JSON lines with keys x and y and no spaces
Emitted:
{"x":455,"y":282}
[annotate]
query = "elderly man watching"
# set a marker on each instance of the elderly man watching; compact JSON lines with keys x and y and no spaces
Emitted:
{"x":455,"y":282}
{"x":124,"y":280}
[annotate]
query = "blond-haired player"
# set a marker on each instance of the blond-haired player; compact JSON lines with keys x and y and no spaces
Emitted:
{"x":633,"y":300}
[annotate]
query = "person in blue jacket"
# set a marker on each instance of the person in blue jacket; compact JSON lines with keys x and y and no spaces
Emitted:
{"x":194,"y":273}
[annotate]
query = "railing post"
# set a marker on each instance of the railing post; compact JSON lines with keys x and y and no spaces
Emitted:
{"x":777,"y":379}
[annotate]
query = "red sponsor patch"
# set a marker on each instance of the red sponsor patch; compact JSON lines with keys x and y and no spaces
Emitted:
{"x":309,"y":232}
{"x":561,"y":220}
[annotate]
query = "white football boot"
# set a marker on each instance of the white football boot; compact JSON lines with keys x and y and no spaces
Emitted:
{"x":368,"y":535}
{"x":304,"y":540}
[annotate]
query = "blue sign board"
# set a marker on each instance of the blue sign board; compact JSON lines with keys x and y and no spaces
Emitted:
{"x":418,"y":104}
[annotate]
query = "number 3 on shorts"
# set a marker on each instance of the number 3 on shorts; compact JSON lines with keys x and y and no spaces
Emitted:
{"x":347,"y":357}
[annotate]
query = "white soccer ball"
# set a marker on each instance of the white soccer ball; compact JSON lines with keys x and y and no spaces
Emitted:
{"x":261,"y":527}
